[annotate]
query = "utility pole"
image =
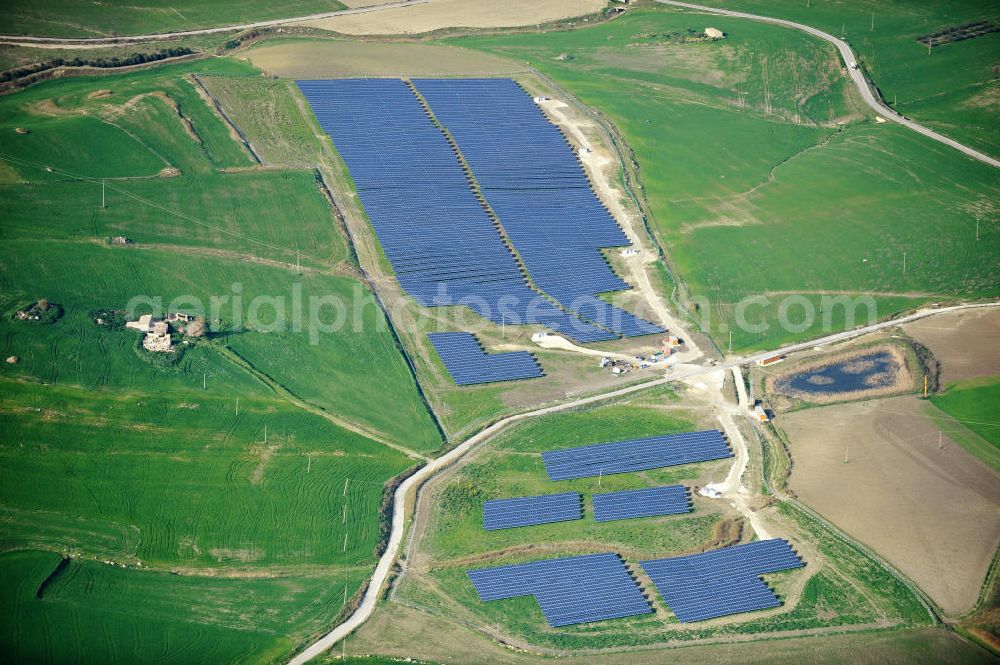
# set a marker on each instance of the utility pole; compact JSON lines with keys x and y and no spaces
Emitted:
{"x":904,"y":263}
{"x":309,"y":463}
{"x":237,"y":406}
{"x":265,"y":435}
{"x":730,"y":341}
{"x":925,"y":385}
{"x":845,"y":455}
{"x":204,"y":380}
{"x":103,"y":199}
{"x":940,"y":440}
{"x":298,"y":267}
{"x":977,"y":229}
{"x":873,"y":22}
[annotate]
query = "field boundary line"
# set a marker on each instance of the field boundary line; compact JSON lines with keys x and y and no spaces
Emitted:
{"x":869,"y":96}
{"x":280,"y":390}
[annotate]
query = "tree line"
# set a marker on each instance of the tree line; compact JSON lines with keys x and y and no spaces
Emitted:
{"x":103,"y":63}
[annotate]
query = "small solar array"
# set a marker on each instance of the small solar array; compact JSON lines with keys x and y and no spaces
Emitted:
{"x":635,"y":455}
{"x":535,"y":184}
{"x":646,"y":502}
{"x":531,"y":510}
{"x":570,"y":590}
{"x":468,"y":364}
{"x":442,"y":245}
{"x":721,"y":582}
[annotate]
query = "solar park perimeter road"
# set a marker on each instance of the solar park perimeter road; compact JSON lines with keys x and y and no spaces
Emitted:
{"x":856,"y":75}
{"x":370,"y":599}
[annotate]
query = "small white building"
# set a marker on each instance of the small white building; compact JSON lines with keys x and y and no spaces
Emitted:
{"x":713,"y":33}
{"x":144,"y":324}
{"x":631,"y":251}
{"x":710,"y":492}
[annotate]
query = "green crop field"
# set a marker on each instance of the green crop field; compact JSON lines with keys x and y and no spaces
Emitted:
{"x":511,"y":465}
{"x":966,"y":413}
{"x":952,"y":87}
{"x":221,"y":507}
{"x":973,"y":403}
{"x":67,"y":18}
{"x":765,"y":178}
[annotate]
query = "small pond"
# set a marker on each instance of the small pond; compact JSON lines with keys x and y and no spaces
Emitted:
{"x":866,"y":372}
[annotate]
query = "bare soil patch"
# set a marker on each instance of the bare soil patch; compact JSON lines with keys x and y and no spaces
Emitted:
{"x":933,"y":511}
{"x":964,"y":342}
{"x":326,"y":59}
{"x":438,"y":14}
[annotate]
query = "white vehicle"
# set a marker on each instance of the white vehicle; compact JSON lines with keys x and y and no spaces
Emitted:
{"x":853,"y":65}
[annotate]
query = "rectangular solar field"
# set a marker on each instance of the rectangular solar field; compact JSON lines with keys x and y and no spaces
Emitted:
{"x":722,"y":582}
{"x":533,"y":180}
{"x":570,"y":590}
{"x":635,"y":455}
{"x":442,"y":245}
{"x":531,"y":510}
{"x":468,"y":364}
{"x":645,"y":502}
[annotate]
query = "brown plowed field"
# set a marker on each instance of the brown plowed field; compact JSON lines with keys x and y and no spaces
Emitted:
{"x":931,"y":509}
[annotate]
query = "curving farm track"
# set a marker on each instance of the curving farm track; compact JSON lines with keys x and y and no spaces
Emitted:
{"x":370,"y":599}
{"x":869,"y":95}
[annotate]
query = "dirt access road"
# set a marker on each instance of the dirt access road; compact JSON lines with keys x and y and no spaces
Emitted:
{"x":373,"y":592}
{"x":869,"y":95}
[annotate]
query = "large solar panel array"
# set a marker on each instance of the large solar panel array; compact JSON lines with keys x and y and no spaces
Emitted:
{"x":531,"y":510}
{"x":534,"y":182}
{"x":722,"y":582}
{"x":635,"y":455}
{"x":443,"y":247}
{"x":646,"y":502}
{"x":468,"y":363}
{"x":576,"y":589}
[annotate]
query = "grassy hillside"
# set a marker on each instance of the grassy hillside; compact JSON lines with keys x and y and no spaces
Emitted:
{"x":66,"y":18}
{"x":762,"y":179}
{"x":952,"y":87}
{"x":221,"y":506}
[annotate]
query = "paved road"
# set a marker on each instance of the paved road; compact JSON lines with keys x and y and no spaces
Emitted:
{"x":856,"y":75}
{"x":98,"y":42}
{"x":370,"y":598}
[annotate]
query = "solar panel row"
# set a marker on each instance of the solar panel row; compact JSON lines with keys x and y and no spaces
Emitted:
{"x":646,"y":502}
{"x":469,"y":364}
{"x":722,"y":582}
{"x":635,"y":455}
{"x":570,"y":590}
{"x":531,"y":510}
{"x":534,"y":182}
{"x":443,"y":247}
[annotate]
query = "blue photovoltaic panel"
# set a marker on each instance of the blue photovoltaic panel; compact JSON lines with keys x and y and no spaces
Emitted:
{"x":576,"y":589}
{"x":646,"y":502}
{"x":635,"y":455}
{"x":530,"y":510}
{"x":468,"y":364}
{"x":722,"y":582}
{"x":531,"y":178}
{"x":443,"y":247}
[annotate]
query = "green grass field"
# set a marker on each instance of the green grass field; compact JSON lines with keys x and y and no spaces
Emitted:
{"x":974,"y":404}
{"x":762,"y":179}
{"x":219,"y":508}
{"x":66,"y":18}
{"x":966,"y":412}
{"x":953,"y":88}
